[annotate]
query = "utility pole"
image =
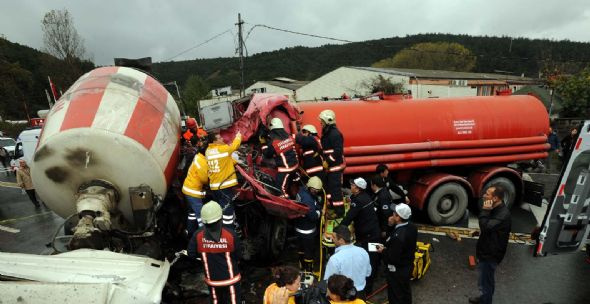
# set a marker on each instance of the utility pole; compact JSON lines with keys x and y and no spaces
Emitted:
{"x":241,"y":52}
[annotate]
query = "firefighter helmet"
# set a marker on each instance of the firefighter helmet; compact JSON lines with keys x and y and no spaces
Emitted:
{"x":328,"y":117}
{"x":310,"y":129}
{"x":276,"y":123}
{"x":211,"y":212}
{"x":191,"y":123}
{"x":315,"y":183}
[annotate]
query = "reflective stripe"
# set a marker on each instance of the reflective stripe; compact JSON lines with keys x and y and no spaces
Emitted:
{"x":229,"y":265}
{"x":216,"y":156}
{"x":331,"y":158}
{"x":232,"y":294}
{"x":318,"y":212}
{"x":226,"y":183}
{"x":329,"y":151}
{"x":228,"y":217}
{"x":341,"y":203}
{"x":195,"y":161}
{"x":191,"y":191}
{"x":227,"y":282}
{"x":310,"y":231}
{"x":284,"y":160}
{"x":230,"y":222}
{"x":314,"y":169}
{"x":337,"y":168}
{"x":309,"y":152}
{"x":264,"y":147}
{"x":192,"y":218}
{"x":281,"y":169}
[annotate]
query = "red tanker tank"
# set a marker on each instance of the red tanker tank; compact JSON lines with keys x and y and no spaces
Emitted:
{"x":381,"y":122}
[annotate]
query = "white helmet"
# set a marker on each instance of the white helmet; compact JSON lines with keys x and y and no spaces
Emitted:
{"x":310,"y":129}
{"x":328,"y":117}
{"x":315,"y":183}
{"x":211,"y":212}
{"x":276,"y":123}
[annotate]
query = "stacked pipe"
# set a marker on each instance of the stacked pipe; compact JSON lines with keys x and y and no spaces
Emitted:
{"x":441,"y":132}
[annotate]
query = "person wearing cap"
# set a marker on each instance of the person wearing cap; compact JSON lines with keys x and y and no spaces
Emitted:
{"x":194,"y":187}
{"x":306,"y":226}
{"x":311,"y":152}
{"x":282,"y":147}
{"x":395,"y":190}
{"x":222,"y":173}
{"x":398,"y":254}
{"x":333,"y":148}
{"x":218,"y":247}
{"x":366,"y":223}
{"x":348,"y":260}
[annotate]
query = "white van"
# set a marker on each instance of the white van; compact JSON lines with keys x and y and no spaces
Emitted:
{"x":26,"y":144}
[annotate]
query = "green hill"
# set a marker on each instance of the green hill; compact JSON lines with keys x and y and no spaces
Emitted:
{"x":524,"y":56}
{"x":23,"y":78}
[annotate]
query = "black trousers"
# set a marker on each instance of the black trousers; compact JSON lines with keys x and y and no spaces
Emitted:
{"x":32,"y":197}
{"x":334,"y":190}
{"x":307,"y":247}
{"x":375,"y":260}
{"x":398,"y":285}
{"x":225,"y":295}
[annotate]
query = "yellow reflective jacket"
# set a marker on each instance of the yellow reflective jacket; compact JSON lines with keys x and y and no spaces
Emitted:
{"x":197,"y":177}
{"x":222,"y":173}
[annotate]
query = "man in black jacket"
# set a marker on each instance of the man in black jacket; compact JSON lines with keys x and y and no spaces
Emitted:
{"x":398,"y":254}
{"x":281,"y":146}
{"x":366,"y":224}
{"x":393,"y":187}
{"x":494,"y":226}
{"x":383,"y":201}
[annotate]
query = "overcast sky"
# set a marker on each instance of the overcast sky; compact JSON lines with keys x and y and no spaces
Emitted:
{"x":162,"y":29}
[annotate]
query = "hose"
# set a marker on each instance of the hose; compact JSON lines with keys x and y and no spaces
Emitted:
{"x":321,"y":234}
{"x":57,"y":232}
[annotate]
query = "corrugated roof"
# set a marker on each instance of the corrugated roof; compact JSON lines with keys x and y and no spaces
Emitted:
{"x":437,"y":74}
{"x":294,"y":85}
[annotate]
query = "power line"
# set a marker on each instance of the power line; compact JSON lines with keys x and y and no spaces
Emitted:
{"x":198,"y":45}
{"x":296,"y":33}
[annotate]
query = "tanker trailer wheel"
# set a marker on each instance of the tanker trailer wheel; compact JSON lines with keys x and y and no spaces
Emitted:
{"x":447,"y":204}
{"x":509,"y":196}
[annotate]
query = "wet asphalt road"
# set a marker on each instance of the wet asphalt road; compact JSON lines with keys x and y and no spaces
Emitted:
{"x":521,"y":278}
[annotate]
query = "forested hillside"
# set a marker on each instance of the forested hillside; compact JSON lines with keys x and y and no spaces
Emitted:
{"x":517,"y":56}
{"x":23,"y":78}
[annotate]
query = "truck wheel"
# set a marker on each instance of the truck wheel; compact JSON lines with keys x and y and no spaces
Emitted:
{"x":278,"y":237}
{"x":509,"y":196}
{"x":447,"y":204}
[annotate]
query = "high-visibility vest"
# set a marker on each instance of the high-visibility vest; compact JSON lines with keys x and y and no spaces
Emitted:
{"x":222,"y":173}
{"x":197,"y":177}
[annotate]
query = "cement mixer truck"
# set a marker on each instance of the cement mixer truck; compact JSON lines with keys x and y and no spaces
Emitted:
{"x":107,"y":159}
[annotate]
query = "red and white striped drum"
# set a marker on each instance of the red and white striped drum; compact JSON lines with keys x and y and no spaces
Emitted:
{"x":115,"y":124}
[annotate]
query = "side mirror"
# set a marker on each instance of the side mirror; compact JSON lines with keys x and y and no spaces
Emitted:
{"x":18,"y":151}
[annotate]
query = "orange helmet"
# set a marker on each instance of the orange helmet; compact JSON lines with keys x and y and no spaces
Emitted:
{"x":191,"y":123}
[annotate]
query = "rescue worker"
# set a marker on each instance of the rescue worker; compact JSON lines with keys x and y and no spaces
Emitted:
{"x":306,"y":226}
{"x":333,"y":148}
{"x":282,"y":147}
{"x":383,"y":202}
{"x":222,"y":174}
{"x":218,"y":247}
{"x":194,"y":187}
{"x":398,"y":254}
{"x":366,"y":224}
{"x":396,"y":191}
{"x":311,"y":155}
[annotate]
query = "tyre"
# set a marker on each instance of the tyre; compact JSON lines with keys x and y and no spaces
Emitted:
{"x":447,"y":204}
{"x":278,"y":237}
{"x":508,"y":185}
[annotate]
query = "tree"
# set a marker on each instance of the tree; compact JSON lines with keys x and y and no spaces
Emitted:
{"x":60,"y":36}
{"x":194,"y":90}
{"x":431,"y":56}
{"x":575,"y":92}
{"x":14,"y":80}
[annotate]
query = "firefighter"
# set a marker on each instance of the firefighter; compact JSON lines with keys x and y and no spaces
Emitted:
{"x":222,"y":174}
{"x":311,"y":155}
{"x":333,"y":148}
{"x":194,"y":187}
{"x":282,"y":147}
{"x":218,"y":247}
{"x":306,"y":226}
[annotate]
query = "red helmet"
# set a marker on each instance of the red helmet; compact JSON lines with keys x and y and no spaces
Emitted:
{"x":191,"y":123}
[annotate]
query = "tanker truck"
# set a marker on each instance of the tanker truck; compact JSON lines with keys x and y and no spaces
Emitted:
{"x":107,"y":158}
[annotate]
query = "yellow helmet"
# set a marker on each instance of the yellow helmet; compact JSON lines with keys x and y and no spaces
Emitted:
{"x":211,"y":212}
{"x":315,"y":183}
{"x":276,"y":123}
{"x":328,"y":117}
{"x":310,"y":129}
